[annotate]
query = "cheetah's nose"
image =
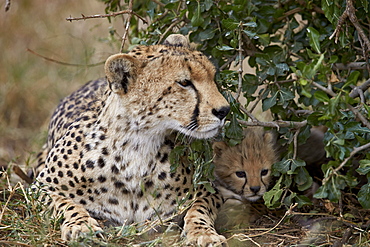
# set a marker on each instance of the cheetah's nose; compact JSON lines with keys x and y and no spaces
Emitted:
{"x":255,"y":189}
{"x":221,"y":112}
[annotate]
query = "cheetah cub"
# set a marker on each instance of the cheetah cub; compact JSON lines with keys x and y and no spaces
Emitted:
{"x":243,"y":172}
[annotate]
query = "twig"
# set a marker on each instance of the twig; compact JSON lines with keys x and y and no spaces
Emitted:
{"x":7,"y":5}
{"x":350,"y":66}
{"x":354,"y":151}
{"x":350,"y":13}
{"x":360,"y":89}
{"x":17,"y":170}
{"x":127,"y":28}
{"x":359,"y":116}
{"x":240,"y":70}
{"x":275,"y":124}
{"x":228,"y":62}
{"x":250,"y":115}
{"x":159,"y":3}
{"x":63,"y":63}
{"x":326,"y":90}
{"x":258,"y":99}
{"x":287,"y":213}
{"x":295,"y":143}
{"x":114,"y":14}
{"x":353,"y":109}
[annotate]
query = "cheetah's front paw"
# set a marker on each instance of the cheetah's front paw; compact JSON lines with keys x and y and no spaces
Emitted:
{"x":72,"y":230}
{"x":205,"y":238}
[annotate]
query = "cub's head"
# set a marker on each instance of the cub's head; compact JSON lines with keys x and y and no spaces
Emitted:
{"x":243,"y":172}
{"x":169,"y":87}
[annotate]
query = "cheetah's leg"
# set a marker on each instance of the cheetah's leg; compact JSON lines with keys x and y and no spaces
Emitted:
{"x":77,"y":220}
{"x":199,"y":222}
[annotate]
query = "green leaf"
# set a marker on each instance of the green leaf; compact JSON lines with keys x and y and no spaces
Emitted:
{"x":208,"y":4}
{"x":234,"y":130}
{"x":272,"y":197}
{"x":230,"y":24}
{"x":365,"y":4}
{"x":283,"y":166}
{"x":206,"y":34}
{"x":321,"y":193}
{"x":224,"y":48}
{"x":269,"y":102}
{"x":352,"y":78}
{"x":297,"y":163}
{"x":364,"y":167}
{"x":250,"y":24}
{"x":321,"y":96}
{"x":364,"y":196}
{"x":197,"y":19}
{"x":302,"y":200}
{"x":314,"y":36}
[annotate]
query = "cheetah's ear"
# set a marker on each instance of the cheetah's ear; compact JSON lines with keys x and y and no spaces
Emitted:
{"x":120,"y":70}
{"x":176,"y":40}
{"x":219,"y":148}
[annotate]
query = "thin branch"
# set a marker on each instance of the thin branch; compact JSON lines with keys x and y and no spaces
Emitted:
{"x":228,"y":62}
{"x":295,"y":143}
{"x":350,"y":66}
{"x":360,"y":89}
{"x":240,"y":70}
{"x":359,"y":116}
{"x":350,"y":13}
{"x":326,"y":90}
{"x":127,"y":28}
{"x":275,"y":124}
{"x":287,"y":213}
{"x":259,"y":98}
{"x":250,"y":115}
{"x":114,"y":14}
{"x":354,"y":151}
{"x":159,"y":3}
{"x":63,"y":63}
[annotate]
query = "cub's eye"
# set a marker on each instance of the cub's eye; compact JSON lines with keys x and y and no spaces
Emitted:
{"x":240,"y":174}
{"x":264,"y":172}
{"x":185,"y":83}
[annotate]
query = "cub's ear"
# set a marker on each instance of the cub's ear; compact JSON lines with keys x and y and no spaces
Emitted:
{"x":176,"y":40}
{"x":121,"y":71}
{"x":269,"y":137}
{"x":219,"y":148}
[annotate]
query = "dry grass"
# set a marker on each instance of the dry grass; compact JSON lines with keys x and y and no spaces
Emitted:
{"x":30,"y":88}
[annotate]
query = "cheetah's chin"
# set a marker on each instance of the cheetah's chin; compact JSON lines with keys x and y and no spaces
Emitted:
{"x":200,"y":134}
{"x":252,"y":198}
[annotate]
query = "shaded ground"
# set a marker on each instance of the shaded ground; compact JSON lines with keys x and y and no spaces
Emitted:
{"x":324,"y":224}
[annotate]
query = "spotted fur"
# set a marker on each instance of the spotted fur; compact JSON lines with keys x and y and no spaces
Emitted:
{"x":243,"y":171}
{"x":107,"y":151}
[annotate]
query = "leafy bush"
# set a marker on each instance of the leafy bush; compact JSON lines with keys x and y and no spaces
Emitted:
{"x":311,"y":69}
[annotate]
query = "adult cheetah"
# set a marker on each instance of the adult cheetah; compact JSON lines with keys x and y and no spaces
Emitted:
{"x":108,"y":145}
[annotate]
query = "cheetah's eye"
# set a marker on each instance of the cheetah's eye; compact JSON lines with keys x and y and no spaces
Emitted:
{"x":185,"y":83}
{"x":240,"y":174}
{"x":264,"y":172}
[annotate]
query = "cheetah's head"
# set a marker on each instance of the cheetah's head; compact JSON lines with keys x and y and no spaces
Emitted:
{"x":169,"y":87}
{"x":243,"y":171}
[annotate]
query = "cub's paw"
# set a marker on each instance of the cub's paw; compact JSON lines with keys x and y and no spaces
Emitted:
{"x":71,"y":230}
{"x":205,"y":238}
